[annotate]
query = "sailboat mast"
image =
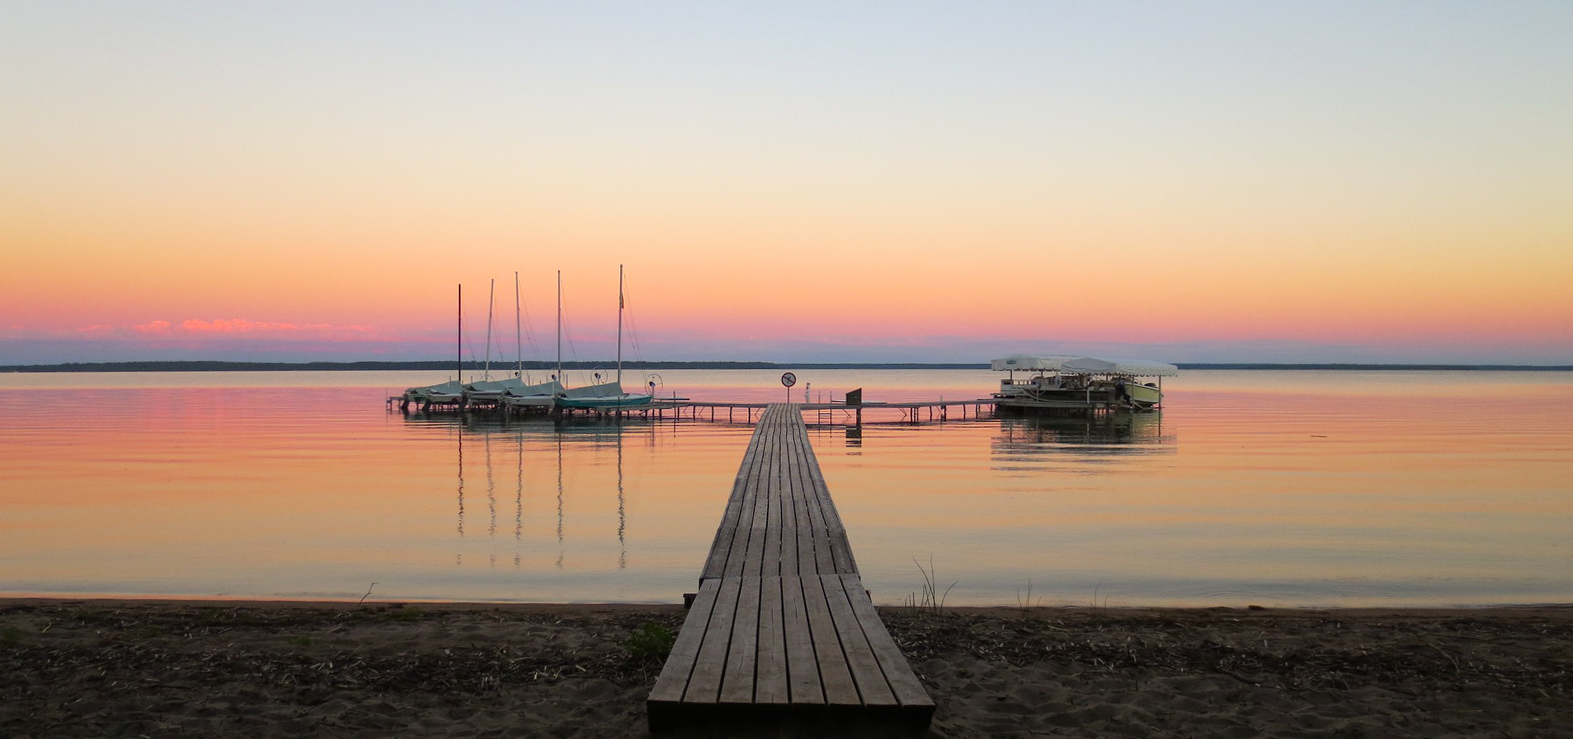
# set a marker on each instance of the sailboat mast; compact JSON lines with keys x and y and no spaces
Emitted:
{"x":458,"y":349}
{"x":619,"y":327}
{"x":518,"y":338}
{"x":559,"y":327}
{"x":491,"y":302}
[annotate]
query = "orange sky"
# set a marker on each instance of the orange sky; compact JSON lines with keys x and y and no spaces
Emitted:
{"x":1337,"y":183}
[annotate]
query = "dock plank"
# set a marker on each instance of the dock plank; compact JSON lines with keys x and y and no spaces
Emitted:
{"x":834,"y":674}
{"x":865,"y":668}
{"x":737,"y":684}
{"x":673,"y":680}
{"x":802,"y":667}
{"x":771,"y":684}
{"x":904,"y":685}
{"x":726,"y":532}
{"x":704,"y":683}
{"x":781,"y":621}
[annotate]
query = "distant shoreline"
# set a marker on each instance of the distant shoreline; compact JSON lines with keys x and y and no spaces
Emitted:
{"x":379,"y":366}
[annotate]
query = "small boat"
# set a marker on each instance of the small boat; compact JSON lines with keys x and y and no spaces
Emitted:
{"x":607,"y":395}
{"x":1070,"y":382}
{"x":490,"y":391}
{"x":540,"y":395}
{"x":1042,"y":374}
{"x":486,"y":391}
{"x":443,"y":393}
{"x":448,"y":392}
{"x":516,"y":392}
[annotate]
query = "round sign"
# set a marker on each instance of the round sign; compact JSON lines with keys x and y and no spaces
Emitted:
{"x":788,"y":379}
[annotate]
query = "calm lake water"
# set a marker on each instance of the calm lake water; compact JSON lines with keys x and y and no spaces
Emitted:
{"x":1270,"y":488}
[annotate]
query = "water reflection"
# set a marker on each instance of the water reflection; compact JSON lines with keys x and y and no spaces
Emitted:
{"x":491,"y":492}
{"x":518,"y":505}
{"x":561,"y":449}
{"x":1023,"y":443}
{"x":1294,"y":488}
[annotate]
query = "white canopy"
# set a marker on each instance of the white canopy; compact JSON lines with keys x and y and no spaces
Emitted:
{"x":1028,"y":362}
{"x":1133,"y":367}
{"x":1085,"y":365}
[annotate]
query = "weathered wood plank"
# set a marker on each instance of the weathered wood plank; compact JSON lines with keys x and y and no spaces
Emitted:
{"x":782,"y":618}
{"x":736,"y":557}
{"x":704,"y":683}
{"x":770,"y":560}
{"x":834,"y":675}
{"x":673,"y":680}
{"x":806,"y":522}
{"x":817,"y":502}
{"x":806,"y":565}
{"x":904,"y":684}
{"x":824,"y":559}
{"x":737,"y":684}
{"x":817,"y":478}
{"x":842,"y":562}
{"x":771,"y":683}
{"x":753,"y":554}
{"x":860,"y":657}
{"x":721,"y":549}
{"x":802,"y":665}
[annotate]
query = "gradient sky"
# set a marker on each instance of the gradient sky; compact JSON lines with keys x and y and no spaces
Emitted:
{"x":1203,"y":181}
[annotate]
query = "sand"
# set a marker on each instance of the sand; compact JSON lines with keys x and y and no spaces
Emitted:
{"x":182,"y":668}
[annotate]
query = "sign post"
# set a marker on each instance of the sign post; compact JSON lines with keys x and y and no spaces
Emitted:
{"x":788,"y":380}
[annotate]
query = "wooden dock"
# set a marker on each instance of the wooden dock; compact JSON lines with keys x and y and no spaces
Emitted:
{"x":781,"y":628}
{"x":836,"y":414}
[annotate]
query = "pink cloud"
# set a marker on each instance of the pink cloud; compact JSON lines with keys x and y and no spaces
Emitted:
{"x":243,"y":328}
{"x":235,"y":326}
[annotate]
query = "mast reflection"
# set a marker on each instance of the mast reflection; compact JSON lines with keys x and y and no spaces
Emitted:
{"x":583,"y":455}
{"x":559,"y":502}
{"x":518,"y":506}
{"x":460,"y":436}
{"x":622,"y":511}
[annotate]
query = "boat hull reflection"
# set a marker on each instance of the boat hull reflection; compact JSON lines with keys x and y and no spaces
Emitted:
{"x":1022,"y":439}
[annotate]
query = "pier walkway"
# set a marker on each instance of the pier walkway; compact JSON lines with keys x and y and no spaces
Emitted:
{"x":781,"y":626}
{"x":829,"y":414}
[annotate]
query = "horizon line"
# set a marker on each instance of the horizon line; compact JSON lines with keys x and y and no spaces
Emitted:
{"x":199,"y":365}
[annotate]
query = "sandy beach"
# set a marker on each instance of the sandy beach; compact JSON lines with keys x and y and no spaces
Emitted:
{"x":225,"y":668}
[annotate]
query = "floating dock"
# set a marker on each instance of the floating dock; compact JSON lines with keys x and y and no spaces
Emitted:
{"x":840,"y":413}
{"x":824,"y":414}
{"x":781,"y":628}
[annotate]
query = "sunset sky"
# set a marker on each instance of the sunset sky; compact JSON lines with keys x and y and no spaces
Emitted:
{"x":895,"y":181}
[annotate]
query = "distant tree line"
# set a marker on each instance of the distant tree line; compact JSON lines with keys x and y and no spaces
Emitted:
{"x":217,"y":366}
{"x":1379,"y":367}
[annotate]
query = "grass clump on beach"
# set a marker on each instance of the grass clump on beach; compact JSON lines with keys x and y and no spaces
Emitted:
{"x":931,"y":599}
{"x":407,"y":613}
{"x":651,"y":642}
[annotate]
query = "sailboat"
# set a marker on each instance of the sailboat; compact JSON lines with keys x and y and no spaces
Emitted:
{"x":505,"y":390}
{"x":607,"y":395}
{"x":450,"y":392}
{"x":541,"y":395}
